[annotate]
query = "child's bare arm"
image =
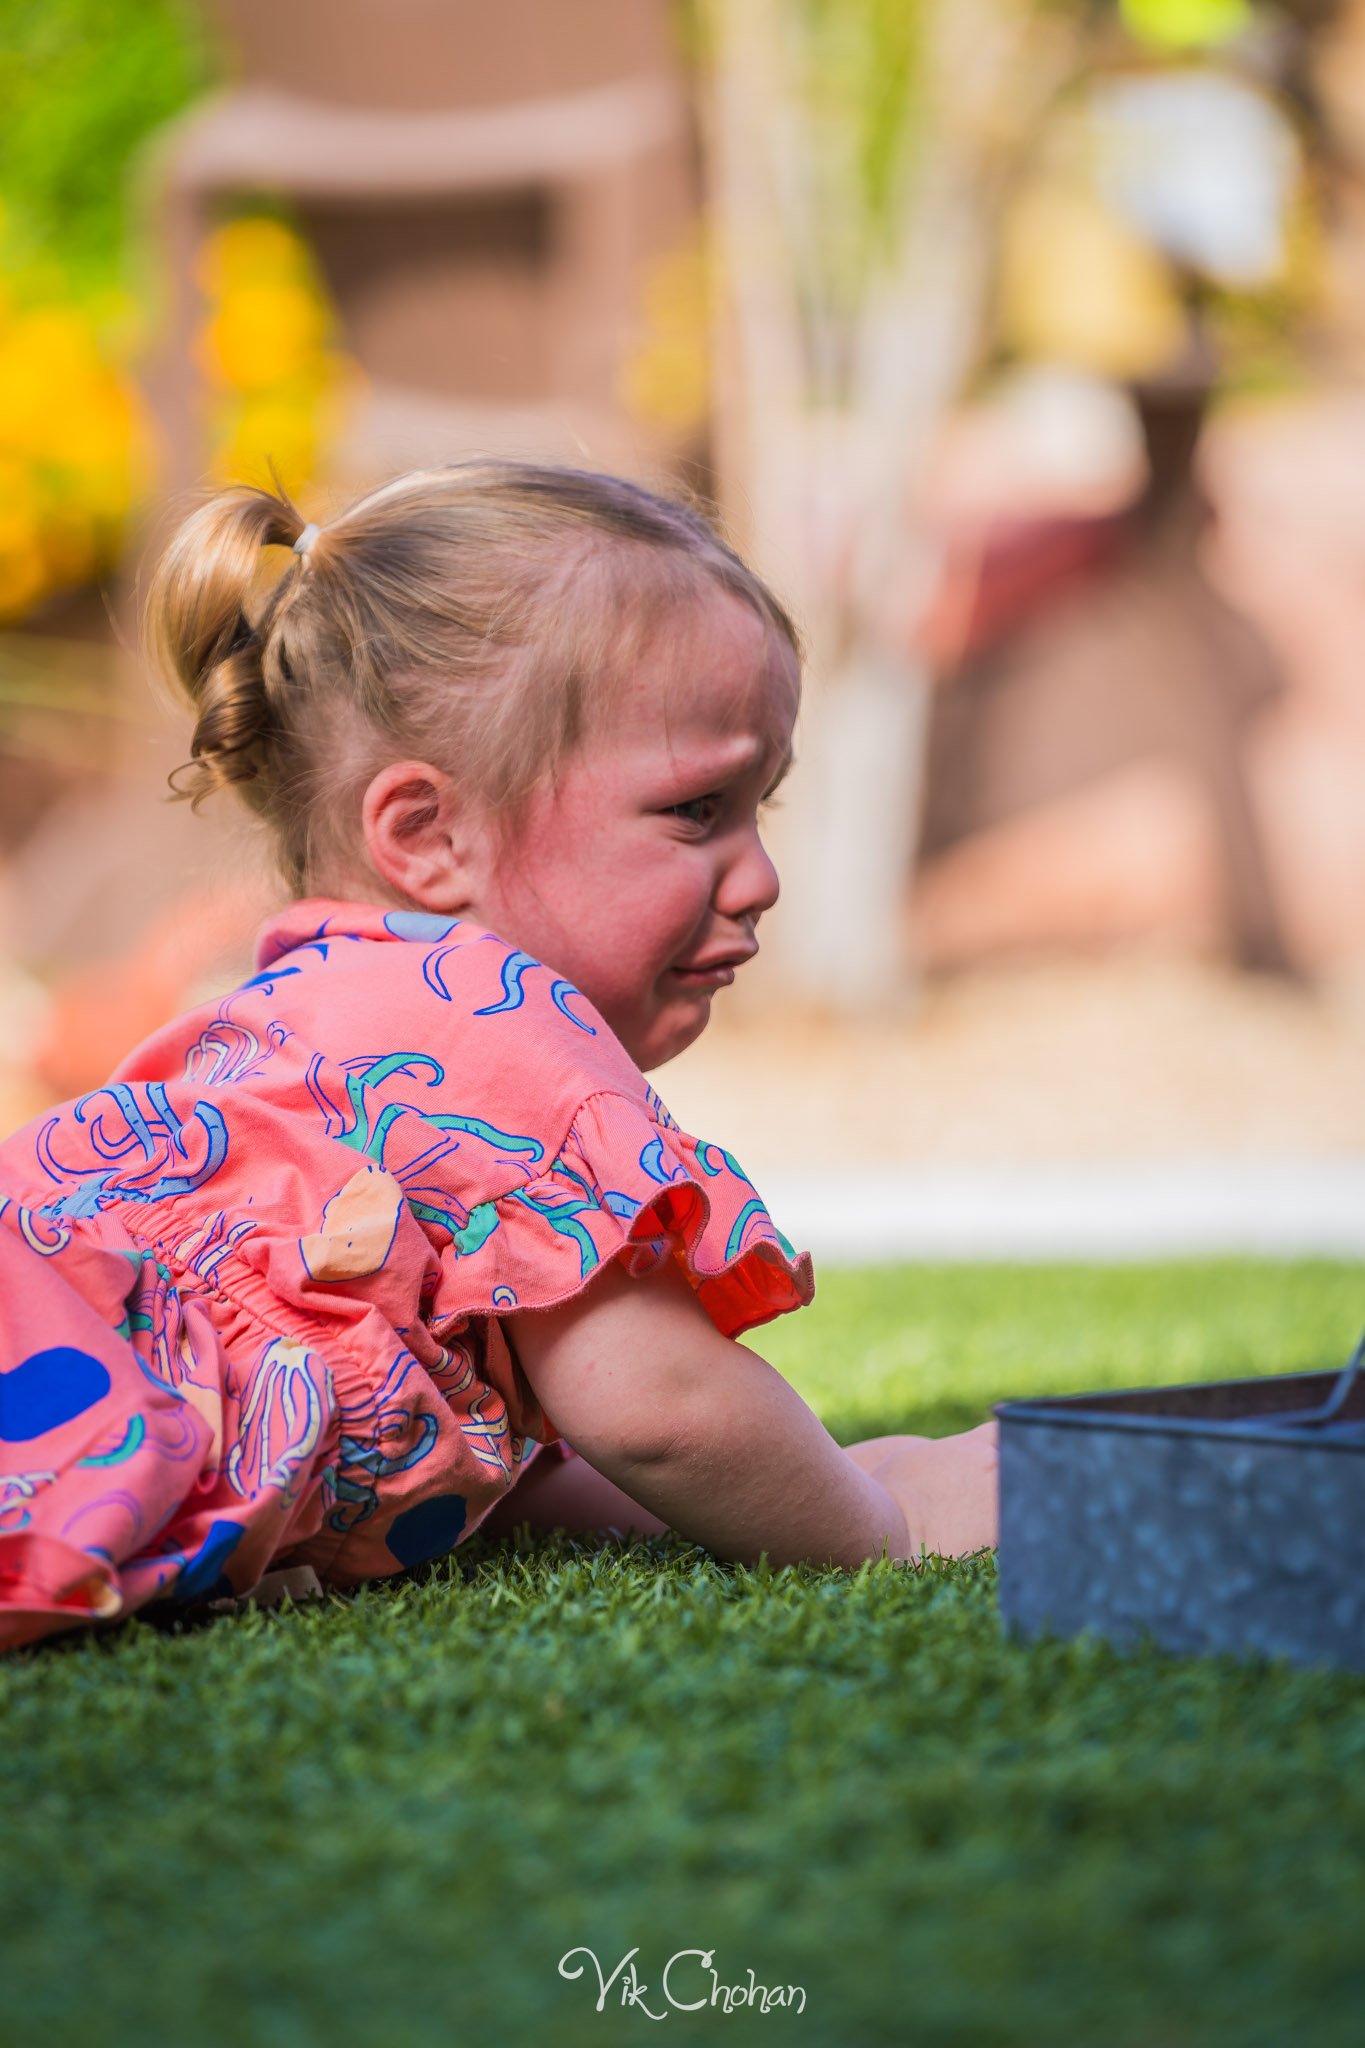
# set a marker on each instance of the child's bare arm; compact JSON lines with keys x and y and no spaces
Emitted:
{"x":700,"y":1430}
{"x":697,"y":1428}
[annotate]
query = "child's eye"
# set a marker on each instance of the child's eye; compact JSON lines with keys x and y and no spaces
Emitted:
{"x":698,"y":810}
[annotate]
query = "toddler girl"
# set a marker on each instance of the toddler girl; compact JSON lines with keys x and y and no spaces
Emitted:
{"x":336,"y":1270}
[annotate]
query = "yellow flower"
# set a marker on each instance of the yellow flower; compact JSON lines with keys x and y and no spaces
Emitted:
{"x":261,"y":334}
{"x":74,"y":451}
{"x":247,"y":252}
{"x":77,"y":446}
{"x":275,"y":381}
{"x":46,"y":356}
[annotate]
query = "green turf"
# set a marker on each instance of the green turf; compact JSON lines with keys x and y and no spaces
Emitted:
{"x":384,"y":1819}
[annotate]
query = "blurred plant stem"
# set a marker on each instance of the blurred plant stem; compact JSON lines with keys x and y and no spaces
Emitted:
{"x":853,"y":265}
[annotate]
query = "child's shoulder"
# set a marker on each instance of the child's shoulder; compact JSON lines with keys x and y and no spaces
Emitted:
{"x":499,"y":1100}
{"x":379,"y":975}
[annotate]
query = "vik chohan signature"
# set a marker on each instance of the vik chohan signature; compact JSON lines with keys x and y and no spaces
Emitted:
{"x":689,"y":1983}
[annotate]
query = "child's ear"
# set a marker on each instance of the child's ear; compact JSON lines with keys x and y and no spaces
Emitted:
{"x":418,"y":838}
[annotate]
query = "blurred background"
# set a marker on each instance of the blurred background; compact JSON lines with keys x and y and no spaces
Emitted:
{"x":1020,"y":342}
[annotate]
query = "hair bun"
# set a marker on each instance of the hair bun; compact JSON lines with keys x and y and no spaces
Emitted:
{"x":198,"y":626}
{"x":236,"y":722}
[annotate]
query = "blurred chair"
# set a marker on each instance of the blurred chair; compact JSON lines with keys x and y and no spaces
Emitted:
{"x":485,"y":188}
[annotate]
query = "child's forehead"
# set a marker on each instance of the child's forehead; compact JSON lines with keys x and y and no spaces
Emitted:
{"x":715,"y":667}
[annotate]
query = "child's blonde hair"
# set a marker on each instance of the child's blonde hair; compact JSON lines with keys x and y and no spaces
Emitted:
{"x":477,"y":616}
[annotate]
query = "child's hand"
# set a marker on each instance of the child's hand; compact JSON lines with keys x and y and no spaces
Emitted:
{"x":946,"y":1487}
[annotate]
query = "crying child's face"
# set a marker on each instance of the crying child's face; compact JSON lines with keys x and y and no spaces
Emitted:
{"x":640,"y":875}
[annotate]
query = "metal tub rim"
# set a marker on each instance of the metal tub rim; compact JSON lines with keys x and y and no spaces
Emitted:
{"x":1092,"y":1411}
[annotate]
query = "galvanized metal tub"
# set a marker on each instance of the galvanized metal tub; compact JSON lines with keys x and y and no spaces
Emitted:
{"x":1227,"y":1516}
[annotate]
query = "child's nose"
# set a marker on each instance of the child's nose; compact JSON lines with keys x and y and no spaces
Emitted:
{"x":749,"y":884}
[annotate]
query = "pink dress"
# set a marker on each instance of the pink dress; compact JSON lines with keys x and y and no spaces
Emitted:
{"x":249,"y":1290}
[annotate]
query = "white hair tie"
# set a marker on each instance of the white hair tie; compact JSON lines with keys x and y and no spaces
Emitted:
{"x":306,"y":539}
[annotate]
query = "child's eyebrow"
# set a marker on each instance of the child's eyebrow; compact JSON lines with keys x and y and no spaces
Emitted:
{"x":739,"y":759}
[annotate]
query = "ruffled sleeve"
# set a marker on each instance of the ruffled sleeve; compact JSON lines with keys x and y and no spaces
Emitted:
{"x":628,"y":1184}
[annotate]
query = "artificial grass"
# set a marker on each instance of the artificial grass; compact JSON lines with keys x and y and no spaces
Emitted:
{"x":383,"y":1819}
